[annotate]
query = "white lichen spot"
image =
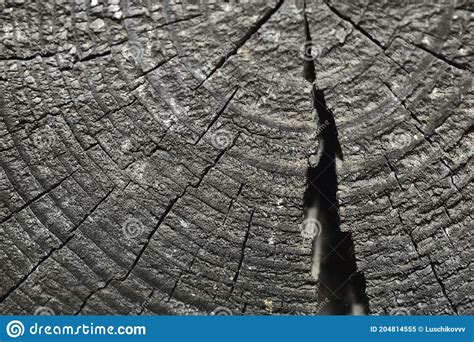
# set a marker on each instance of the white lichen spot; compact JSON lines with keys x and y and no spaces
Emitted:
{"x":341,"y":35}
{"x":30,"y":79}
{"x":183,"y":223}
{"x":118,"y":15}
{"x":139,"y":171}
{"x":126,"y":145}
{"x":271,"y":239}
{"x":97,"y":25}
{"x":268,"y":305}
{"x":227,"y":7}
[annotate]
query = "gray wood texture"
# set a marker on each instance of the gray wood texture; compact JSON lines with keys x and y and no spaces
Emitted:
{"x":154,"y":154}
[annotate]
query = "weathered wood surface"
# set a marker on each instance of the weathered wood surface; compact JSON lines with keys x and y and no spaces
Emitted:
{"x":154,"y":154}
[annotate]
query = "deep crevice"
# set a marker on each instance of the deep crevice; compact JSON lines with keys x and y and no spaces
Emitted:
{"x":254,"y":29}
{"x":461,"y":66}
{"x":54,"y":249}
{"x":242,"y":254}
{"x":152,"y":233}
{"x":341,"y":287}
{"x":354,"y":24}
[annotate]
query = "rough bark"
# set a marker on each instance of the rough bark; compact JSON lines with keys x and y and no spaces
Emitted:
{"x":155,"y":156}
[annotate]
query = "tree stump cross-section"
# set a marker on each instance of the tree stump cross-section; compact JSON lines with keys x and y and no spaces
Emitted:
{"x":240,"y":157}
